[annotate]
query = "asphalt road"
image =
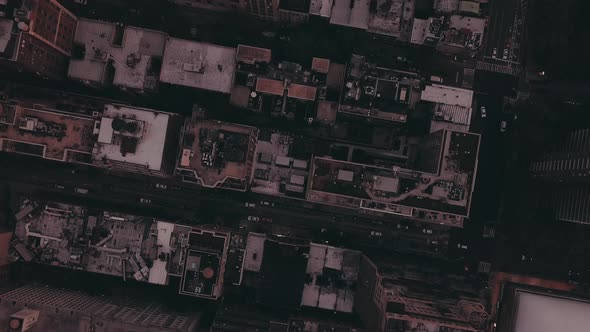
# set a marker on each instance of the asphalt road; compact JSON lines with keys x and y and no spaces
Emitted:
{"x":187,"y":203}
{"x":501,"y":20}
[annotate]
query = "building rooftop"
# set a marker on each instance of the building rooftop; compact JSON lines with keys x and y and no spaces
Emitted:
{"x":217,"y":154}
{"x":448,"y":95}
{"x":67,"y":310}
{"x":132,"y":135}
{"x":332,"y":276}
{"x":352,"y":13}
{"x":437,"y":189}
{"x":321,"y":7}
{"x":6,"y":26}
{"x":376,"y":92}
{"x":52,"y":23}
{"x":198,"y":65}
{"x":391,"y":17}
{"x":46,"y":134}
{"x":464,"y":31}
{"x":131,"y":51}
{"x":251,"y":55}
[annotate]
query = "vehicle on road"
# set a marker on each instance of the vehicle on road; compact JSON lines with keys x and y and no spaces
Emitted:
{"x":59,"y":186}
{"x":494,"y":52}
{"x":266,"y":203}
{"x":462,"y":246}
{"x":266,"y":219}
{"x":503,"y":126}
{"x":427,"y":231}
{"x":376,"y":234}
{"x":253,"y":218}
{"x":145,"y":201}
{"x":505,"y":54}
{"x":483,"y":112}
{"x":81,"y":190}
{"x":82,"y":2}
{"x":250,"y":205}
{"x":161,"y":186}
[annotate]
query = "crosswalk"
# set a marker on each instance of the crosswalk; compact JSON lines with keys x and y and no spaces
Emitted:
{"x":493,"y":67}
{"x":468,"y":74}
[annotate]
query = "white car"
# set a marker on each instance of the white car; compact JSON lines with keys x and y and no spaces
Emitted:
{"x":253,"y":218}
{"x":161,"y":186}
{"x":82,"y":2}
{"x":145,"y":201}
{"x":494,"y":52}
{"x":503,"y":126}
{"x":250,"y":205}
{"x":505,"y":54}
{"x":267,"y":203}
{"x":483,"y":112}
{"x":376,"y":234}
{"x":426,"y":231}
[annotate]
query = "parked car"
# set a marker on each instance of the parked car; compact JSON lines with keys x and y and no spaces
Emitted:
{"x":253,"y":218}
{"x":250,"y":205}
{"x":161,"y":186}
{"x":267,"y":203}
{"x":483,"y":112}
{"x":81,"y":190}
{"x":503,"y":126}
{"x":427,"y":231}
{"x":145,"y":201}
{"x":59,"y":186}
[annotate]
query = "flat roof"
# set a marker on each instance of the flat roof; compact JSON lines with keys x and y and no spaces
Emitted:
{"x":254,"y":252}
{"x":448,"y":95}
{"x":300,"y":91}
{"x":150,"y":139}
{"x":131,"y":59}
{"x":473,"y":24}
{"x":424,"y":195}
{"x":320,"y":65}
{"x":46,"y":134}
{"x":251,"y":54}
{"x":390,"y":16}
{"x":55,"y":23}
{"x":419,"y":30}
{"x":273,"y":87}
{"x":321,"y":7}
{"x":537,"y":312}
{"x":202,"y":137}
{"x":198,"y":65}
{"x":352,"y":13}
{"x":5,"y":32}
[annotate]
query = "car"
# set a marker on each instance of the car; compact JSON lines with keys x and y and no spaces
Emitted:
{"x":505,"y":54}
{"x":81,"y":190}
{"x":483,"y":112}
{"x":462,"y":246}
{"x":267,"y":203}
{"x":82,"y":2}
{"x":266,"y":220}
{"x":427,"y":231}
{"x":145,"y":201}
{"x":250,"y":205}
{"x":253,"y":218}
{"x":376,"y":234}
{"x":59,"y":186}
{"x":161,"y":186}
{"x":503,"y":126}
{"x":494,"y":52}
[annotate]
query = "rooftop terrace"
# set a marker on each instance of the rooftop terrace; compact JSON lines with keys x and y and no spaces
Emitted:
{"x":114,"y":54}
{"x":198,"y":65}
{"x":438,"y":189}
{"x":217,"y":154}
{"x":45,"y":134}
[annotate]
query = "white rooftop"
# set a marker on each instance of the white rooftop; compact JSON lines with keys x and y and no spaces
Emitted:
{"x":5,"y":32}
{"x":448,"y":95}
{"x":548,"y":313}
{"x":254,"y":252}
{"x":130,"y":60}
{"x":356,"y":16}
{"x":198,"y":65}
{"x":474,"y":24}
{"x":151,"y":138}
{"x":419,"y":30}
{"x":321,"y":7}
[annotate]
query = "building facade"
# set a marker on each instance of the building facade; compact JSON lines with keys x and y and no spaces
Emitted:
{"x":405,"y":298}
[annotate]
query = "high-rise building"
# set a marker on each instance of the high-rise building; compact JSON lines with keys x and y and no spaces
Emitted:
{"x":566,"y":167}
{"x":406,"y":298}
{"x":37,"y":36}
{"x":42,"y":308}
